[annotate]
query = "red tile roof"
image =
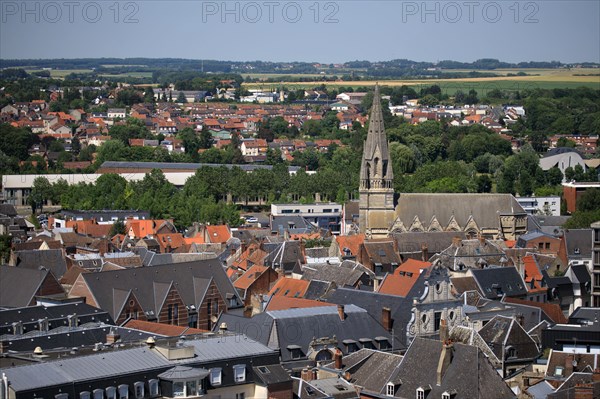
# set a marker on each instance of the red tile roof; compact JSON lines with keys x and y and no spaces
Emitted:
{"x":403,"y":279}
{"x":552,"y":310}
{"x":290,"y":287}
{"x":351,"y":242}
{"x":279,"y":302}
{"x":166,"y":330}
{"x":218,"y":233}
{"x":250,"y":277}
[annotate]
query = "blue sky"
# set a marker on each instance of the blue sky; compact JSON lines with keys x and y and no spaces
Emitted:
{"x":321,"y":31}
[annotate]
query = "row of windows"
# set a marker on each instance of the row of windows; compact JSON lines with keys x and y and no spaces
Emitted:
{"x":180,"y":388}
{"x":120,"y":392}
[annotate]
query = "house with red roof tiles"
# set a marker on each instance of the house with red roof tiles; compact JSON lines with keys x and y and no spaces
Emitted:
{"x":256,"y":281}
{"x":401,"y":281}
{"x":346,"y":246}
{"x":289,"y":287}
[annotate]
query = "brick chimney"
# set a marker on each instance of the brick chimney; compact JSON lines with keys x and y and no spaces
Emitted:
{"x":308,"y":375}
{"x":443,"y":330}
{"x":112,"y":337}
{"x":386,"y":318}
{"x":337,"y":359}
{"x":424,"y":253}
{"x":456,"y":241}
{"x":584,"y":391}
{"x":280,"y":273}
{"x":341,"y":312}
{"x":596,"y":375}
{"x":569,"y":365}
{"x":444,"y":362}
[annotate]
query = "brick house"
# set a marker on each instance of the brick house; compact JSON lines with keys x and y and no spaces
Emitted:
{"x":190,"y":294}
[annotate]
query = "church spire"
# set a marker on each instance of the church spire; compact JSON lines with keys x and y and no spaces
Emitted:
{"x":376,"y":169}
{"x":376,"y":205}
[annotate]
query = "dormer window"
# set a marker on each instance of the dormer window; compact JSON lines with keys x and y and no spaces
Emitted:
{"x":389,"y":389}
{"x":445,"y":395}
{"x":559,"y":371}
{"x":215,"y":376}
{"x":420,"y":393}
{"x":239,"y":373}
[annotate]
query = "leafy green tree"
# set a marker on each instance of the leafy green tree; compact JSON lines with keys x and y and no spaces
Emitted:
{"x":132,"y":129}
{"x":111,"y":191}
{"x":58,"y":189}
{"x":554,"y":176}
{"x":589,"y":200}
{"x":484,"y":184}
{"x":129,"y":97}
{"x":181,"y":98}
{"x":15,"y":142}
{"x":153,"y":193}
{"x":41,"y":191}
{"x":403,"y":158}
{"x":118,"y":227}
{"x":148,"y":94}
{"x":75,"y":146}
{"x":206,"y":139}
{"x":5,"y":247}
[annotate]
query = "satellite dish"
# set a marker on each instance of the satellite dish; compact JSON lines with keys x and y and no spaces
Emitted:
{"x":214,"y":318}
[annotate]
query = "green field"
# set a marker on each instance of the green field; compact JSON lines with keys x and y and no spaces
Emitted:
{"x":61,"y":73}
{"x":127,"y":75}
{"x":264,"y":76}
{"x":542,"y":78}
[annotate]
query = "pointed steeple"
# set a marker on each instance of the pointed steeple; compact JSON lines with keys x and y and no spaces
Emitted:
{"x":376,"y":169}
{"x":376,"y":205}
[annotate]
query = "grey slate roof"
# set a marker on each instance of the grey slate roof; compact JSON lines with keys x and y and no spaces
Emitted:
{"x":56,"y":315}
{"x":541,"y":390}
{"x":470,"y":374}
{"x":317,"y":289}
{"x":436,"y":241}
{"x":51,"y":259}
{"x":271,"y":374}
{"x":19,"y":285}
{"x":374,"y":302}
{"x":472,"y":254}
{"x":502,"y":332}
{"x":581,"y":273}
{"x":484,"y":208}
{"x":8,"y":210}
{"x":64,"y":338}
{"x":336,"y":388}
{"x":127,"y":361}
{"x":286,"y":329}
{"x":370,"y":369}
{"x":341,"y":276}
{"x":579,"y":243}
{"x":283,"y":254}
{"x":190,"y":278}
{"x":494,"y":282}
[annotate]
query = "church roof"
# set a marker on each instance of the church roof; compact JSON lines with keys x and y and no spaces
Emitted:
{"x":484,"y":208}
{"x":376,"y":143}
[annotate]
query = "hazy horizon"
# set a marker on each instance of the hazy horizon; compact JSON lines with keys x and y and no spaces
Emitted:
{"x":304,"y":30}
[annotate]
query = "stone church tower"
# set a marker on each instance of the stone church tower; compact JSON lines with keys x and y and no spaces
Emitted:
{"x":376,"y":178}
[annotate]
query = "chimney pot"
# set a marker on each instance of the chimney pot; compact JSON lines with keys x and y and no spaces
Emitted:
{"x":341,"y":312}
{"x":443,"y":331}
{"x":424,"y":253}
{"x":337,"y":358}
{"x":386,"y":318}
